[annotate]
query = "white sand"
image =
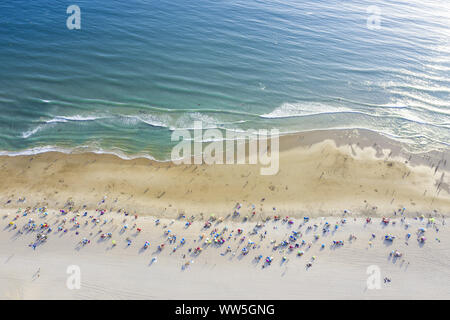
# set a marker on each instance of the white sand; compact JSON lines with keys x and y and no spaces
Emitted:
{"x":125,"y":273}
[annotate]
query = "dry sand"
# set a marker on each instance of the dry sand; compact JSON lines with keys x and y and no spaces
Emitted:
{"x":123,"y":272}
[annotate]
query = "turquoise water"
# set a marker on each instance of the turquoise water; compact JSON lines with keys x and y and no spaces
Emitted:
{"x":139,"y":69}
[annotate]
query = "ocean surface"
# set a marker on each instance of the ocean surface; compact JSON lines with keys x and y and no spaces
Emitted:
{"x":137,"y":70}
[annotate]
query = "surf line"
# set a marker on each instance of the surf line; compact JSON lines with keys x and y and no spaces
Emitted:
{"x":246,"y":147}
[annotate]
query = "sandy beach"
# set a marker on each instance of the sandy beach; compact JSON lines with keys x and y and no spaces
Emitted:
{"x":353,"y":170}
{"x":205,"y":216}
{"x":130,"y":272}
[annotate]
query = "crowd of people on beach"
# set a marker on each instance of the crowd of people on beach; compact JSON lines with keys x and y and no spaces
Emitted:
{"x":248,"y":239}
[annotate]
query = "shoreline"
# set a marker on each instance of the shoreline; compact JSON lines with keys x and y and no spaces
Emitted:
{"x":315,"y":135}
{"x":358,"y":171}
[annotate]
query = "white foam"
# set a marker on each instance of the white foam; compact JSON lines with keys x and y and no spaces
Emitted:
{"x":33,"y":151}
{"x":186,"y":122}
{"x":149,"y":119}
{"x":73,"y":118}
{"x":77,"y":150}
{"x":32,"y":132}
{"x":287,"y":110}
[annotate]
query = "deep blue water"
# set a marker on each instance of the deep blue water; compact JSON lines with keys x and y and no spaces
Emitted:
{"x":139,"y":69}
